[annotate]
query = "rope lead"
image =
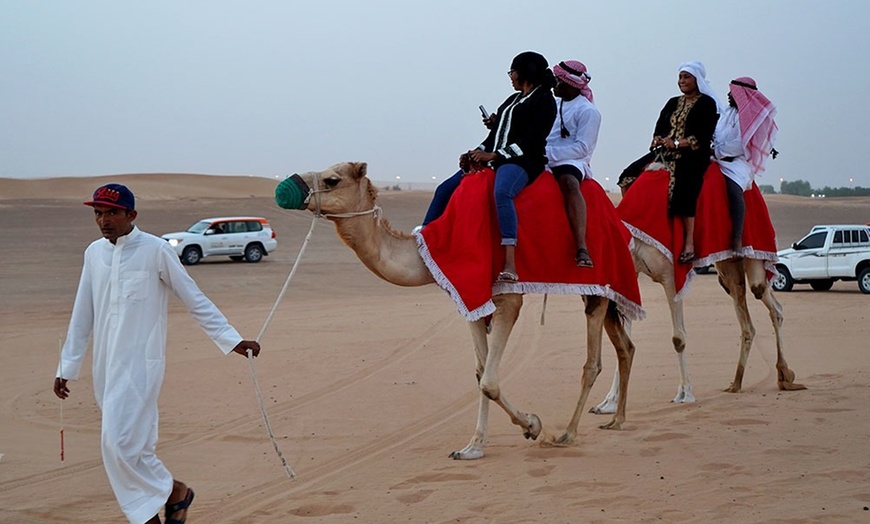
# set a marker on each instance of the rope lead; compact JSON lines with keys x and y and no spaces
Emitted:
{"x":287,"y":468}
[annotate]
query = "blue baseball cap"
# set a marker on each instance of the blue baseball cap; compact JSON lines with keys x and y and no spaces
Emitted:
{"x":114,"y":195}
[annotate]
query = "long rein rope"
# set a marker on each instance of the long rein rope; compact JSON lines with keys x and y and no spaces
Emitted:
{"x":317,"y":214}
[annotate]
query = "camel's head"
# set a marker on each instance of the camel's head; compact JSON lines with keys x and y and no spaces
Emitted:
{"x":341,"y":188}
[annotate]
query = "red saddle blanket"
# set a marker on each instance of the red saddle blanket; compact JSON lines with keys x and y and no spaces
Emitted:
{"x":463,"y":251}
{"x":644,"y":210}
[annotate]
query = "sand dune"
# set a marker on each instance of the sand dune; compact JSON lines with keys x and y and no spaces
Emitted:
{"x":370,"y":386}
{"x":152,"y":186}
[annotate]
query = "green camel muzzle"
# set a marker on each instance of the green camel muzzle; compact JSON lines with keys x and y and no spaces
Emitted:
{"x":292,"y":193}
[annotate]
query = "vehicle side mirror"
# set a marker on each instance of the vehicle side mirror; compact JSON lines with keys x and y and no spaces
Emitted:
{"x":795,"y":246}
{"x":209,"y":231}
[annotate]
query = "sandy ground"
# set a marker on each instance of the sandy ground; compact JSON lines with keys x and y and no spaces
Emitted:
{"x":369,"y":387}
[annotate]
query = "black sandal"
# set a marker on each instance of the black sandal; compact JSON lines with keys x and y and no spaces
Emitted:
{"x":582,"y":258}
{"x":172,"y":509}
{"x":687,"y":257}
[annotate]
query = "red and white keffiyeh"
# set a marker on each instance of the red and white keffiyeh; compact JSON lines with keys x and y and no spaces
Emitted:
{"x":757,"y":126}
{"x":573,"y":73}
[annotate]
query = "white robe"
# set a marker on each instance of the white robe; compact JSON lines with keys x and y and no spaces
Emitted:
{"x":123,"y":298}
{"x":727,"y":142}
{"x":582,"y":120}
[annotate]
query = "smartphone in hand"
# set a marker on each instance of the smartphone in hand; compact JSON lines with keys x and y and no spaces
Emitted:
{"x":483,"y":111}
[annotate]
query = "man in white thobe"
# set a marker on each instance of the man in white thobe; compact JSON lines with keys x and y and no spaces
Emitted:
{"x":570,"y":145}
{"x":122,"y":299}
{"x":744,"y":137}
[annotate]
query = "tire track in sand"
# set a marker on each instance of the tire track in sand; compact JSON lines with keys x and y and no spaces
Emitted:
{"x":244,"y":422}
{"x":524,"y":345}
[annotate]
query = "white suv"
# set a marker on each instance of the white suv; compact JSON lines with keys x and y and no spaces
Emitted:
{"x":248,"y":238}
{"x":826,"y":254}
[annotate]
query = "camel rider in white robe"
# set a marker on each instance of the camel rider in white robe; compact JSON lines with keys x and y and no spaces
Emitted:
{"x":744,"y":137}
{"x":122,"y":299}
{"x":570,"y":145}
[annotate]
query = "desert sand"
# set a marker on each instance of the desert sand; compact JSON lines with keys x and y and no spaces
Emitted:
{"x":369,"y":386}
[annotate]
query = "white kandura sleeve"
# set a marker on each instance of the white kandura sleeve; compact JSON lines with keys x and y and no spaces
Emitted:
{"x":585,"y":132}
{"x":203,"y":310}
{"x":81,"y":325}
{"x":727,"y":141}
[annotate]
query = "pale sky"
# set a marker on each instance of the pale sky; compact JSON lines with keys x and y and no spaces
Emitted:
{"x":275,"y":87}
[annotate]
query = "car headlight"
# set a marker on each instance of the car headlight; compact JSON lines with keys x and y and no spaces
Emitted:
{"x":174,"y":242}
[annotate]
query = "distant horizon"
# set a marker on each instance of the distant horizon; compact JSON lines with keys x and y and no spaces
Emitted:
{"x":404,"y":185}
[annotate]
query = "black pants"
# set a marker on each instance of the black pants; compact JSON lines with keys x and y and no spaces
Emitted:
{"x":736,"y":208}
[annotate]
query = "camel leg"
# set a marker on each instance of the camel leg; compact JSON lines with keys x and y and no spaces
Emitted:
{"x":760,"y":287}
{"x":678,"y":338}
{"x":652,"y":267}
{"x":733,"y":281}
{"x":651,"y":262}
{"x":596,"y":310}
{"x":608,"y":405}
{"x":619,"y":337}
{"x":474,"y":449}
{"x":503,"y":320}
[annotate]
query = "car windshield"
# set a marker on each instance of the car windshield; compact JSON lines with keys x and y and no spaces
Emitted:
{"x":812,"y":241}
{"x":198,"y":227}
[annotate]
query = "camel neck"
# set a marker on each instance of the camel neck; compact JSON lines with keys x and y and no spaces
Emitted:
{"x":390,"y":255}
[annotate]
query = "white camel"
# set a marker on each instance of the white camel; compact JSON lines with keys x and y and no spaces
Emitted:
{"x":735,"y":275}
{"x":345,"y":195}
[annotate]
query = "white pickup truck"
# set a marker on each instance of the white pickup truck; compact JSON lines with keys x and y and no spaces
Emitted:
{"x":826,"y":254}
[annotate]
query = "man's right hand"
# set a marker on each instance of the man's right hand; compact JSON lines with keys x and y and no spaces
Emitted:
{"x":491,"y":121}
{"x":60,"y":388}
{"x":243,"y":347}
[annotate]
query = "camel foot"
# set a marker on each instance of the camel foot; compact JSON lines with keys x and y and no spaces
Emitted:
{"x":469,"y":452}
{"x":565,"y":439}
{"x":606,"y":407}
{"x":684,"y":395}
{"x":786,"y":381}
{"x":534,"y":428}
{"x":789,"y":386}
{"x":733,"y":388}
{"x":613,"y":424}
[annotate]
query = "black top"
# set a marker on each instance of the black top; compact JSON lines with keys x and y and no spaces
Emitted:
{"x":699,"y":127}
{"x":520,"y":137}
{"x":687,"y":164}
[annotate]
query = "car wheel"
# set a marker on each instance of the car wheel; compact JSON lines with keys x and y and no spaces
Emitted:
{"x":864,"y":280}
{"x":822,"y":285}
{"x":783,"y":282}
{"x":191,"y":256}
{"x":237,"y":258}
{"x":254,"y":253}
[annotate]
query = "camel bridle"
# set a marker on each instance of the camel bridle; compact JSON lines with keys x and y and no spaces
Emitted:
{"x":318,"y":189}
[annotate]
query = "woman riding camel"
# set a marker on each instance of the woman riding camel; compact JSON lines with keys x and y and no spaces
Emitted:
{"x":684,"y":131}
{"x":515,"y":148}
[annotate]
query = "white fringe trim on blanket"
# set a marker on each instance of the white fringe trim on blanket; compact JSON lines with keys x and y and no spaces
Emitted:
{"x":646,"y":239}
{"x":768,"y":257}
{"x":488,"y":308}
{"x":628,"y":308}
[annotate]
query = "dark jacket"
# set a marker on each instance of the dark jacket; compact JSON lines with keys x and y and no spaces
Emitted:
{"x":520,"y":137}
{"x":700,"y":124}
